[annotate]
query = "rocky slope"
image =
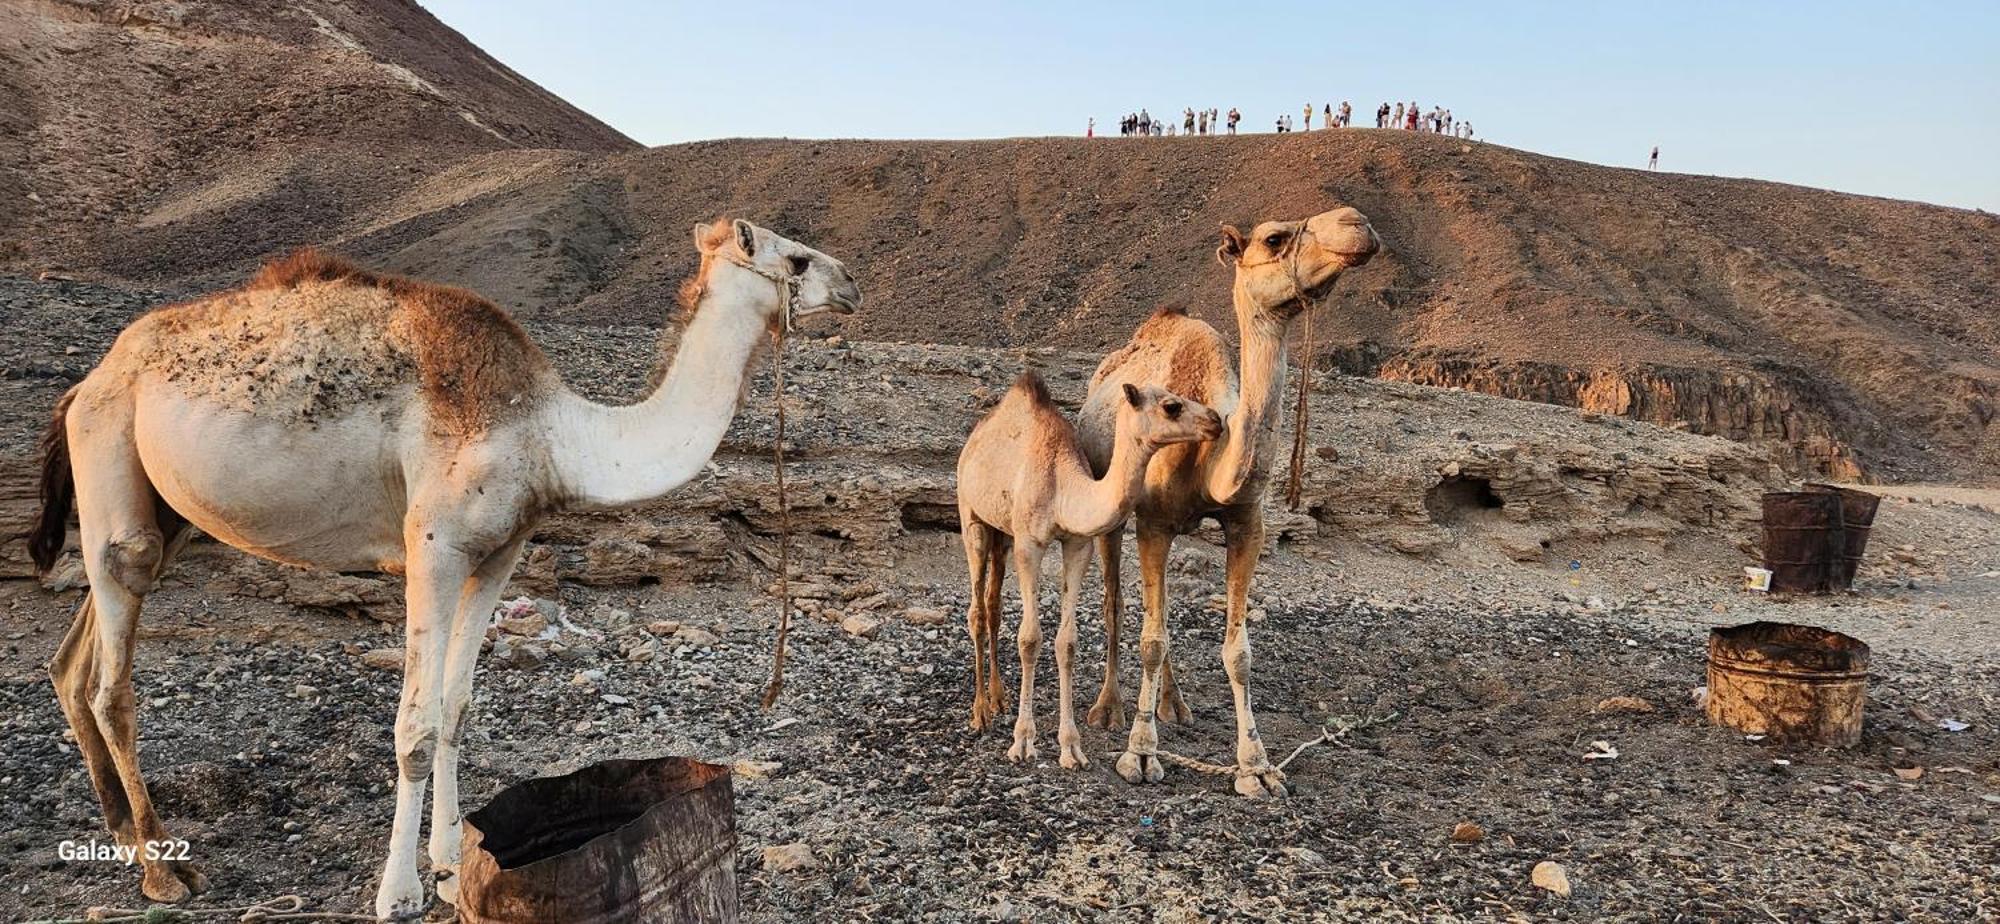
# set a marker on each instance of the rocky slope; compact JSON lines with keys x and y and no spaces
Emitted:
{"x":240,"y":124}
{"x":177,"y":143}
{"x":875,"y":429}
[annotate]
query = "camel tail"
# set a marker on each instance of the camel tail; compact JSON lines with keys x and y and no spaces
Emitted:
{"x":45,"y":543}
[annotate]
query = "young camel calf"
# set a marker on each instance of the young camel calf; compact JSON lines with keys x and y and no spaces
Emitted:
{"x":1023,"y":481}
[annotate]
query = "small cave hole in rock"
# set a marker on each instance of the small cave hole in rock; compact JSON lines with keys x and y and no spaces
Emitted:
{"x":1457,"y":497}
{"x":919,"y":516}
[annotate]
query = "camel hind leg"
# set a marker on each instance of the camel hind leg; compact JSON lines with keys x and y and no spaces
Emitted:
{"x":996,"y":580}
{"x":1109,"y":710}
{"x":977,"y":537}
{"x":127,"y":538}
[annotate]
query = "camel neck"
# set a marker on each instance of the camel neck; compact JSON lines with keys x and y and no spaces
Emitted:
{"x":1087,"y":506}
{"x":607,"y":456}
{"x":1243,"y":454}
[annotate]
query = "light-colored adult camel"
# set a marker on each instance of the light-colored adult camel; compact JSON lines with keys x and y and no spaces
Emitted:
{"x":1281,"y":268}
{"x":1023,"y":480}
{"x":327,"y":416}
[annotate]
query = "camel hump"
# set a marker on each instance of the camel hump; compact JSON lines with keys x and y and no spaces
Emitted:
{"x":314,"y":336}
{"x":304,"y":265}
{"x":1030,"y":385}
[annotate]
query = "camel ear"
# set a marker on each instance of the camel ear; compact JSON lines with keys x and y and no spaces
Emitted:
{"x":1232,"y":245}
{"x":746,"y":238}
{"x":1133,"y":396}
{"x":704,"y":237}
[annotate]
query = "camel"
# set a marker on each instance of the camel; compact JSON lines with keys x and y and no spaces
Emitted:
{"x":1281,"y":268}
{"x":1023,"y":481}
{"x":445,"y":435}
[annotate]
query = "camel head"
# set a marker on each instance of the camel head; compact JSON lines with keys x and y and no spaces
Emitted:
{"x":819,"y":284}
{"x":1158,"y":417}
{"x":1284,"y":265}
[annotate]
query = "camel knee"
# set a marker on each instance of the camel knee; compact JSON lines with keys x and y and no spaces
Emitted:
{"x":416,"y":750}
{"x":132,"y":559}
{"x":1152,"y":654}
{"x":1236,"y":658}
{"x":111,"y":706}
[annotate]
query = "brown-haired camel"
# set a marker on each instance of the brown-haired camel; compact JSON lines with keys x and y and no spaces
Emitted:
{"x":1023,"y":480}
{"x":1281,"y":268}
{"x":441,"y":429}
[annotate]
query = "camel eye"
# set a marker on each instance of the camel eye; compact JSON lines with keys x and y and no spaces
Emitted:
{"x":800,"y":265}
{"x":1274,"y":241}
{"x":1172,"y":409}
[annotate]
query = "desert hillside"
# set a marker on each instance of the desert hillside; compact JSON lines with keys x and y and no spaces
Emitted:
{"x":256,"y":124}
{"x":1856,"y":334}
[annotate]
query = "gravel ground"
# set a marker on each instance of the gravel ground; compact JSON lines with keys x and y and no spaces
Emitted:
{"x":270,"y":750}
{"x":1474,"y":680}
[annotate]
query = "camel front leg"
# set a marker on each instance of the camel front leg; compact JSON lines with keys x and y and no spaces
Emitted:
{"x":1028,"y":561}
{"x":1109,"y":710}
{"x":475,"y":612}
{"x":978,"y":539}
{"x":1140,"y":763}
{"x":1172,"y":707}
{"x":437,"y":578}
{"x":1244,"y":534}
{"x":1069,"y":741}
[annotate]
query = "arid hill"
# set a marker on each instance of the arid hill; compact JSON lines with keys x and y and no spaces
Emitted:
{"x":1858,"y":333}
{"x":243,"y":123}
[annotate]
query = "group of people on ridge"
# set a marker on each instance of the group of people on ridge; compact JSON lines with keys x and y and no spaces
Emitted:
{"x":1329,"y":117}
{"x":1211,"y":122}
{"x":1204,"y":122}
{"x":1437,"y":121}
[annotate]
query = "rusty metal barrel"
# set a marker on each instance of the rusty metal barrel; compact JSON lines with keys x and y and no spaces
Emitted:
{"x":1796,"y":684}
{"x":616,"y":842}
{"x":1857,"y":519}
{"x":1803,"y":540}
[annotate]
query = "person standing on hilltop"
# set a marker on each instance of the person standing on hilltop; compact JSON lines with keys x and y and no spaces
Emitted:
{"x":1410,"y":118}
{"x":1187,"y":120}
{"x":1090,"y":131}
{"x":1234,"y":117}
{"x":1145,"y":122}
{"x":1309,"y":117}
{"x":1396,"y":121}
{"x":1346,"y":113}
{"x":1653,"y":162}
{"x":1326,"y":117}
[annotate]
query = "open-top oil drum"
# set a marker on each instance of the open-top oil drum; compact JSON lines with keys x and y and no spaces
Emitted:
{"x":1803,"y":540}
{"x":1795,"y":684}
{"x":1857,"y":519}
{"x":620,"y":842}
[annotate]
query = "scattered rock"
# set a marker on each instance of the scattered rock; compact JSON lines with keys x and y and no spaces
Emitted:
{"x":1467,"y":832}
{"x":1624,"y":704}
{"x":924,"y":616}
{"x":383,"y":659}
{"x":790,"y":858}
{"x":861,"y":625}
{"x":755,"y":769}
{"x":698,"y":637}
{"x":1551,"y":876}
{"x":531,"y":623}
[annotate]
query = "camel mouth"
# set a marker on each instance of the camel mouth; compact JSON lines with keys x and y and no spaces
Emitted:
{"x":837,"y":308}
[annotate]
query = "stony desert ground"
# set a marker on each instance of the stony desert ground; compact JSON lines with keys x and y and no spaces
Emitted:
{"x":1462,"y":653}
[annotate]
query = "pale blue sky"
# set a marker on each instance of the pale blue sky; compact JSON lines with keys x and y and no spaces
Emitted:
{"x":1891,"y":99}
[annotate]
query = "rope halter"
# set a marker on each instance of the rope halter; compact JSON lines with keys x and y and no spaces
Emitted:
{"x":788,"y":287}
